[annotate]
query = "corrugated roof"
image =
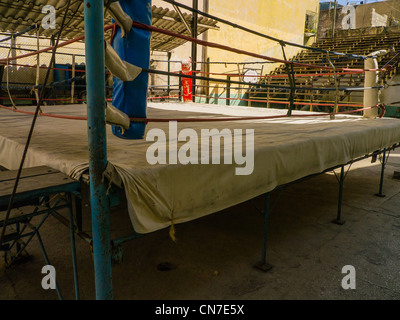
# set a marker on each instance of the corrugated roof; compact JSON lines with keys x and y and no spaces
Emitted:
{"x":16,"y":16}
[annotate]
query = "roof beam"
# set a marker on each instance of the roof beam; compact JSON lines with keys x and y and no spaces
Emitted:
{"x":177,"y":9}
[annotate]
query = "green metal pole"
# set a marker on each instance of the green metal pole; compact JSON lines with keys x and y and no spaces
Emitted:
{"x":96,"y":104}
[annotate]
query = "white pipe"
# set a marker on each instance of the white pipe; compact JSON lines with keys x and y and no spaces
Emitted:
{"x":371,"y":96}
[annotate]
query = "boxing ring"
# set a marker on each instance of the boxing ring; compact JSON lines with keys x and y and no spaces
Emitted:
{"x":160,"y":195}
{"x":287,"y":145}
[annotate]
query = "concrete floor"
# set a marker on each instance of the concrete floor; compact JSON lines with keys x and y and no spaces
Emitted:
{"x":213,"y":257}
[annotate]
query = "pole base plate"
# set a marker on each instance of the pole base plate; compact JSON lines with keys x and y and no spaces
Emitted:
{"x":380,"y":195}
{"x":264,"y":267}
{"x":339,"y":222}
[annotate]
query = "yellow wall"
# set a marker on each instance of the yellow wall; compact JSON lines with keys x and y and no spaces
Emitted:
{"x":282,"y":19}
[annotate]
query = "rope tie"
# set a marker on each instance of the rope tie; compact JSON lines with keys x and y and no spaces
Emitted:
{"x":382,"y":109}
{"x":103,"y":179}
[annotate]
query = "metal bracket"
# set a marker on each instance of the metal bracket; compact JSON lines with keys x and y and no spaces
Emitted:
{"x":264,"y":267}
{"x":338,"y":222}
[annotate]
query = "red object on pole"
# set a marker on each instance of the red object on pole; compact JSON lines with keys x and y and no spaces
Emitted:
{"x":187,"y":83}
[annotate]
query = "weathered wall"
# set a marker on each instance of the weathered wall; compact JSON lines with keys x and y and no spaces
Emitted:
{"x":283,"y":19}
{"x":390,"y":8}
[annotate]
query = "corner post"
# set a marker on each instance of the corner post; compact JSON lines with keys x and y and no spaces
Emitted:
{"x":96,"y":104}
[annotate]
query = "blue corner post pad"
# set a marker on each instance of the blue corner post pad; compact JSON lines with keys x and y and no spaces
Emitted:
{"x":131,"y":97}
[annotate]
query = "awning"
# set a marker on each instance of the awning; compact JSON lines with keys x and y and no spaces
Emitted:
{"x":16,"y":16}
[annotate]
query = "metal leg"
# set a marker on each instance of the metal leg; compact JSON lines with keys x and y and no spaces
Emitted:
{"x":35,"y":232}
{"x":380,"y":194}
{"x":73,"y":247}
{"x":78,"y":212}
{"x":46,"y":258}
{"x":338,"y":220}
{"x":18,"y":229}
{"x":263,"y":265}
{"x":20,"y":232}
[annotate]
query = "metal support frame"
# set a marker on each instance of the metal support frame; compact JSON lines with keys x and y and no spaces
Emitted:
{"x":292,"y":82}
{"x":384,"y":159}
{"x":338,"y":220}
{"x":263,"y":265}
{"x":207,"y":91}
{"x":15,"y":239}
{"x":73,"y":246}
{"x":116,"y":244}
{"x":180,"y":88}
{"x":73,"y":75}
{"x":194,"y":45}
{"x":96,"y":103}
{"x":169,"y":55}
{"x":228,"y":91}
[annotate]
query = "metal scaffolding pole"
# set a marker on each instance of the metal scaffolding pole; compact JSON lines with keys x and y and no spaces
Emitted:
{"x":194,"y":45}
{"x":96,"y":104}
